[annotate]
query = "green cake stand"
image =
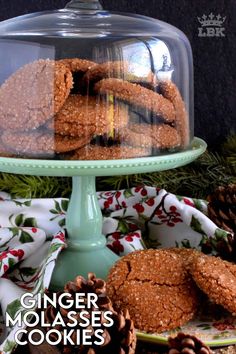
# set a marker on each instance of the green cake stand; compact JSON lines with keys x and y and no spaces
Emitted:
{"x":86,"y":248}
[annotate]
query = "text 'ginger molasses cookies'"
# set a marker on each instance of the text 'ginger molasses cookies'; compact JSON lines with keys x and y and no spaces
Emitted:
{"x":216,"y":278}
{"x":139,"y":96}
{"x":158,"y":136}
{"x":96,"y":152}
{"x":156,"y":289}
{"x":81,"y":113}
{"x":171,"y":92}
{"x":42,"y":144}
{"x":33,"y":94}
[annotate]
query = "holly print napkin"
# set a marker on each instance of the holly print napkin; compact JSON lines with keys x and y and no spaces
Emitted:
{"x":32,"y":234}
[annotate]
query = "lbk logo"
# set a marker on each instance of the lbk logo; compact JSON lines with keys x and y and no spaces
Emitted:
{"x":211,"y":26}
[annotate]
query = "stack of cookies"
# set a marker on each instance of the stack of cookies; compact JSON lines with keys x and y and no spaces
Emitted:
{"x":163,"y":289}
{"x":75,"y":109}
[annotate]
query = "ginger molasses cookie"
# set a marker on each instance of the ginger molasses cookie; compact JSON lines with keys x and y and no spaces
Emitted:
{"x":156,"y":289}
{"x":33,"y":94}
{"x":77,"y":64}
{"x":187,"y":254}
{"x":96,"y":152}
{"x":158,"y":136}
{"x":5,"y":151}
{"x":139,"y":96}
{"x":114,"y":69}
{"x":39,"y":143}
{"x":78,"y":67}
{"x":81,"y":113}
{"x":217,"y":279}
{"x":170,"y":91}
{"x":121,"y":70}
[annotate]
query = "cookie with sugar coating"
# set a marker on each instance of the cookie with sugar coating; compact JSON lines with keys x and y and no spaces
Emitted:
{"x":42,"y":144}
{"x":217,"y":279}
{"x":137,"y":95}
{"x":33,"y":94}
{"x":157,"y":136}
{"x":155,"y":287}
{"x":82,"y":113}
{"x":96,"y":152}
{"x":170,"y":91}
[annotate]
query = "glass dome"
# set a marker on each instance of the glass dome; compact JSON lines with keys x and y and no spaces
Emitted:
{"x":82,"y":83}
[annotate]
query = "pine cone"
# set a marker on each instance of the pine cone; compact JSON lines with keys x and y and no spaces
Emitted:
{"x":222,"y":211}
{"x":187,"y":344}
{"x":119,"y":339}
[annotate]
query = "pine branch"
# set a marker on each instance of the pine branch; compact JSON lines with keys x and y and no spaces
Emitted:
{"x":34,"y":186}
{"x":228,"y":150}
{"x":197,"y":179}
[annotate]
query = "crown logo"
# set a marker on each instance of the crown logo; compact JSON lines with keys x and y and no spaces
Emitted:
{"x":211,"y":20}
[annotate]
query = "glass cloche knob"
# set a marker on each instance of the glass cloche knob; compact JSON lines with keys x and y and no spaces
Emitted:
{"x":84,"y":5}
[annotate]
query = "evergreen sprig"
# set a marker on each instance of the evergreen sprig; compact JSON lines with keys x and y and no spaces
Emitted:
{"x":197,"y":179}
{"x":228,"y":150}
{"x":34,"y":186}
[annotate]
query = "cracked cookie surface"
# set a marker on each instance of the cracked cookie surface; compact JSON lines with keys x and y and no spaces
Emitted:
{"x":170,"y":91}
{"x":216,"y":278}
{"x":114,"y":69}
{"x":77,"y":64}
{"x":139,"y":96}
{"x":41,"y":144}
{"x":151,"y":136}
{"x":187,"y":254}
{"x":155,"y":287}
{"x":33,"y":94}
{"x":81,"y":113}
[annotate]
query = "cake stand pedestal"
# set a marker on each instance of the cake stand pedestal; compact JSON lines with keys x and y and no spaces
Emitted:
{"x":86,"y":249}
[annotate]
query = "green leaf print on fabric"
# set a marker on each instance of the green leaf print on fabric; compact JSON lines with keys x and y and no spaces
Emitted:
{"x":198,"y":204}
{"x":59,"y":211}
{"x":185,"y":243}
{"x":19,"y":219}
{"x":11,"y":262}
{"x":62,"y":222}
{"x":28,"y":271}
{"x":196,"y":225}
{"x":123,"y":227}
{"x":128,"y":193}
{"x":13,"y":308}
{"x":54,"y":247}
{"x":53,"y":211}
{"x":25,"y":237}
{"x":30,"y":222}
{"x":15,"y":231}
{"x":219,"y":234}
{"x":64,"y":204}
{"x":9,"y":346}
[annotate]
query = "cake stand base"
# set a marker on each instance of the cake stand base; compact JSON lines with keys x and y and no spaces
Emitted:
{"x":86,"y":247}
{"x":72,"y":263}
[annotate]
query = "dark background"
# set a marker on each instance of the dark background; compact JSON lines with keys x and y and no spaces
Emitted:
{"x":214,"y":57}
